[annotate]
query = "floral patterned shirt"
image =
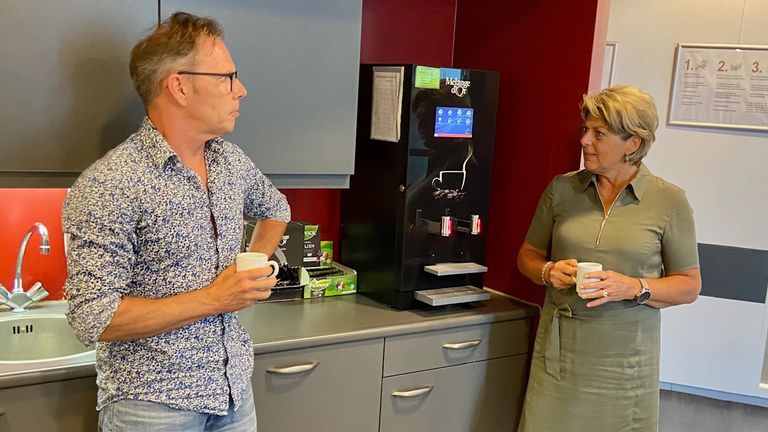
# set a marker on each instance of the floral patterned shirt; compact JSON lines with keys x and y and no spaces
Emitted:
{"x":142,"y":224}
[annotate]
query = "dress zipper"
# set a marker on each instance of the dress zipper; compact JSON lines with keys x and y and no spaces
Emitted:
{"x":605,"y":215}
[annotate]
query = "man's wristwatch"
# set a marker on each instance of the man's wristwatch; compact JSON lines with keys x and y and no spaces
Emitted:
{"x":645,"y":294}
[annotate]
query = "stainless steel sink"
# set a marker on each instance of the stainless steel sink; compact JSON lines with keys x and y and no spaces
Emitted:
{"x":42,"y":341}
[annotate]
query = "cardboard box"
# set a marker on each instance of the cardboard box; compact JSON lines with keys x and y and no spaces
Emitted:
{"x":326,"y":253}
{"x":311,"y":248}
{"x":300,"y":245}
{"x":327,"y":286}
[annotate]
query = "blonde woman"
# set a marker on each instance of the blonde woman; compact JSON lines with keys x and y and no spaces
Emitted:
{"x":596,"y":360}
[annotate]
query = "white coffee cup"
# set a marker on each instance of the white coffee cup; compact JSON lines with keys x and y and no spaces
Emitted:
{"x":583,"y":268}
{"x":252,"y":260}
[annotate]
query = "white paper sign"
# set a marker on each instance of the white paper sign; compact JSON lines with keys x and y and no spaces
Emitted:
{"x":723,"y":86}
{"x":387,"y":103}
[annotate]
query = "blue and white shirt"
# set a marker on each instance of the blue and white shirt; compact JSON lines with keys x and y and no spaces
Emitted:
{"x":141,"y":224}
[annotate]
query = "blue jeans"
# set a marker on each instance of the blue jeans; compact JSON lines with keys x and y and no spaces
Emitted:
{"x":140,"y":416}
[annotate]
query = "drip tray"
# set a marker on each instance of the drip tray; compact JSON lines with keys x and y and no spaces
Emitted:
{"x":455,"y":268}
{"x":452,"y":295}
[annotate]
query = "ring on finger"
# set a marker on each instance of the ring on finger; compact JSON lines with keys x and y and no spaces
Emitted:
{"x":605,"y":293}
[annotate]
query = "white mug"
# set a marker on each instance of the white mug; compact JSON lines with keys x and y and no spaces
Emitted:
{"x":583,"y":268}
{"x":252,"y":260}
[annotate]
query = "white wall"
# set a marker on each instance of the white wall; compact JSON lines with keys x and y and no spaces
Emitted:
{"x":724,"y":174}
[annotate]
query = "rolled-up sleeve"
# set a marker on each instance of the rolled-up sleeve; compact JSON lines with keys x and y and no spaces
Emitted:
{"x":100,"y":218}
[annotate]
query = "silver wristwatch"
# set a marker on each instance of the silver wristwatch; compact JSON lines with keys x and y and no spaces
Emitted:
{"x":645,"y":294}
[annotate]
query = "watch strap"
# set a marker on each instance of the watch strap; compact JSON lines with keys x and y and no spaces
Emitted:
{"x":645,"y":293}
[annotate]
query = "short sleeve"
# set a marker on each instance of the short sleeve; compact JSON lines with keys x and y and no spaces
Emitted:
{"x":262,"y":199}
{"x":679,"y":250}
{"x":540,"y":230}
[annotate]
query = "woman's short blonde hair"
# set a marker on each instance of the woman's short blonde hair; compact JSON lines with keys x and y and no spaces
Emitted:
{"x":169,"y":48}
{"x":626,"y":111}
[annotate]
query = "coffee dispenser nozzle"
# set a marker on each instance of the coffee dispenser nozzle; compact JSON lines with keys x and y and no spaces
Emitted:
{"x":448,"y":225}
{"x":474,"y":224}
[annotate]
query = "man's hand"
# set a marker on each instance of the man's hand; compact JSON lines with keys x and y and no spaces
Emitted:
{"x":233,"y":290}
{"x":138,"y":317}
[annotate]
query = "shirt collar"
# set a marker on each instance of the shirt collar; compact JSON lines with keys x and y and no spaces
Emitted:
{"x":154,"y":143}
{"x":638,"y":185}
{"x":215,"y":145}
{"x":160,"y":152}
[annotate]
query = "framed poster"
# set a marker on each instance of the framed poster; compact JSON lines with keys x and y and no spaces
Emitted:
{"x":609,"y":63}
{"x":722,"y":86}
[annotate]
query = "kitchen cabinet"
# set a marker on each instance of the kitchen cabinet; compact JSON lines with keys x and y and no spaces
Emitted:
{"x":464,"y":379}
{"x":299,"y":60}
{"x":333,"y":364}
{"x":60,"y":406}
{"x":440,"y":348}
{"x":461,"y":379}
{"x":328,"y":388}
{"x":483,"y":396}
{"x":66,"y":93}
{"x":68,"y":97}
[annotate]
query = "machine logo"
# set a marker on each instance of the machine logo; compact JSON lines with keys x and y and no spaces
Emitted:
{"x":459,"y":87}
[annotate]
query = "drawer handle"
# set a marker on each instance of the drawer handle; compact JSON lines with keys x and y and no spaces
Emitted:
{"x":462,"y":345}
{"x":413,"y":393}
{"x":293,"y":369}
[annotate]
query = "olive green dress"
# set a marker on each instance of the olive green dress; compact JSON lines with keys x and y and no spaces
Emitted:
{"x":597,"y":369}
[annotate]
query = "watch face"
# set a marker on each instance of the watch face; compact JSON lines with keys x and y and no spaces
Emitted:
{"x":643,"y":297}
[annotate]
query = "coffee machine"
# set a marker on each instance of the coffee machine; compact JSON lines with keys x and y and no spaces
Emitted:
{"x":412,"y":220}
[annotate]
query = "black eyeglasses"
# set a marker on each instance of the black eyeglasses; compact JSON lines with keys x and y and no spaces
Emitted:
{"x":230,"y":75}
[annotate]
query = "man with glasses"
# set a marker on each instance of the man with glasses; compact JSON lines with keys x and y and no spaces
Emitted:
{"x":155,"y":226}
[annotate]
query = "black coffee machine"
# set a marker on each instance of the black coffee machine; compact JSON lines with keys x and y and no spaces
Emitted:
{"x":413,"y":217}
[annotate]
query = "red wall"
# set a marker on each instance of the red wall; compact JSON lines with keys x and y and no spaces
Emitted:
{"x":406,"y":31}
{"x":19,"y":209}
{"x":23,"y":207}
{"x":320,"y":206}
{"x":542,"y":50}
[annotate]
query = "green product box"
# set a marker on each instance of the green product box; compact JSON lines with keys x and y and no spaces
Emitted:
{"x":327,"y":286}
{"x":326,"y":253}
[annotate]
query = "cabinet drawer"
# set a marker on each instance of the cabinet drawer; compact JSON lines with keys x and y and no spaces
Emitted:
{"x":484,"y":396}
{"x":328,"y":388}
{"x":55,"y":406}
{"x":421,"y":351}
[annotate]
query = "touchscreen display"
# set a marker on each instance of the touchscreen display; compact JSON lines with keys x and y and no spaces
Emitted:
{"x":453,"y":122}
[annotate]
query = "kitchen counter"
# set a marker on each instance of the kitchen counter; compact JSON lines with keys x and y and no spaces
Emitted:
{"x":282,"y":326}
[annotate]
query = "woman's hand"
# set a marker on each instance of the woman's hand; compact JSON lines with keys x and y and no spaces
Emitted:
{"x":611,"y":287}
{"x":560,"y":274}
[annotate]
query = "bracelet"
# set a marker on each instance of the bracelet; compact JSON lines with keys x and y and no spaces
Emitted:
{"x":544,"y":272}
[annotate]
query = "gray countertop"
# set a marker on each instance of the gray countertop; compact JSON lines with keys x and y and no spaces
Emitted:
{"x":299,"y":324}
{"x":281,"y":326}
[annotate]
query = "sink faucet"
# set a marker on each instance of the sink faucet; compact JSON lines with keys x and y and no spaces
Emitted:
{"x":18,"y":299}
